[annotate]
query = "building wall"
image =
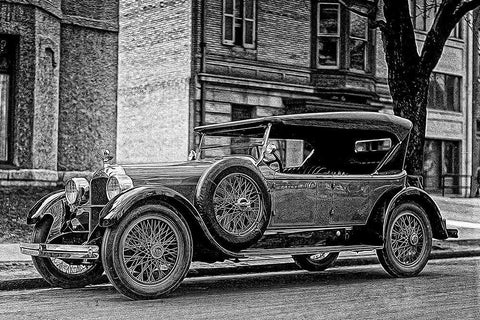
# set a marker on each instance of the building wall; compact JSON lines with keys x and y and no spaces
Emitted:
{"x":64,"y":99}
{"x":88,"y":95}
{"x":45,"y":121}
{"x":155,"y":54}
{"x":283,"y":29}
{"x":283,"y":49}
{"x":88,"y":110}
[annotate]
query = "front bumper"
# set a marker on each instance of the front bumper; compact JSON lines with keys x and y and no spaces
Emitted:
{"x":61,"y":251}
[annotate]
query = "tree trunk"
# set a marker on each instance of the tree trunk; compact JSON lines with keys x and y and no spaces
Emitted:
{"x":410,"y":102}
{"x":408,"y":83}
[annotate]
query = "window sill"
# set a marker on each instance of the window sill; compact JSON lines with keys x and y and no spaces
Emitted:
{"x":445,"y":112}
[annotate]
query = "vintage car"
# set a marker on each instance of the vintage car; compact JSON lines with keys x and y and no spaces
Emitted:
{"x":306,"y":185}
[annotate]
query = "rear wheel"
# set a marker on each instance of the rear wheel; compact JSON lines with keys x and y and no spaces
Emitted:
{"x":63,"y":273}
{"x":316,"y":262}
{"x":408,"y":241}
{"x":148,"y":254}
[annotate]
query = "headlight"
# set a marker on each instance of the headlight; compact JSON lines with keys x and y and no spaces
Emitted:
{"x":117,"y":184}
{"x":76,"y":190}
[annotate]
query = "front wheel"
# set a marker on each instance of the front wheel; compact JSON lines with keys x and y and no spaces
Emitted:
{"x":64,"y":273}
{"x":316,"y":262}
{"x":408,"y":241}
{"x":148,"y":254}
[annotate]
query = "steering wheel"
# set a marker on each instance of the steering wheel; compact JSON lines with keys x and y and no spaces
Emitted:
{"x":276,"y":160}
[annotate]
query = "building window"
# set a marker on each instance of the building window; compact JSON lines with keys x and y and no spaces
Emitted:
{"x":6,"y":69}
{"x":241,"y":112}
{"x":239,"y":23}
{"x":328,"y":34}
{"x":444,"y":92}
{"x":358,"y":42}
{"x":332,"y":50}
{"x":423,"y":14}
{"x":441,"y":162}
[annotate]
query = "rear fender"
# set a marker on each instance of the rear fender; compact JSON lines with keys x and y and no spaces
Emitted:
{"x":41,"y":208}
{"x":119,"y":206}
{"x":422,"y":198}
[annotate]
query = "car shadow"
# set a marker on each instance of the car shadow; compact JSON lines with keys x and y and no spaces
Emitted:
{"x":192,"y":288}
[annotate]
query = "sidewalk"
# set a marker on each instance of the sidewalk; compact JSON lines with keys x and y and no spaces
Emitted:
{"x":17,"y":270}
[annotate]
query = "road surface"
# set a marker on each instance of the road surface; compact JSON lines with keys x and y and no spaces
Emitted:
{"x":446,"y":289}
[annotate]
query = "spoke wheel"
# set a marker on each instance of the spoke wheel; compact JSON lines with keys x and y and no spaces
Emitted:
{"x":63,"y":273}
{"x":237,"y":204}
{"x":234,"y":202}
{"x":316,"y":262}
{"x":149,"y":252}
{"x":149,"y":249}
{"x":408,"y":241}
{"x":407,"y":238}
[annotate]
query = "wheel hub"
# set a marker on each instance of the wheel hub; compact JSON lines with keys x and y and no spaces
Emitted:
{"x":244,"y":204}
{"x":414,"y":239}
{"x":157,"y":251}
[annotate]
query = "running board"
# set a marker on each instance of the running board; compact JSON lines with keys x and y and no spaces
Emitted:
{"x":307,"y":250}
{"x":60,"y":251}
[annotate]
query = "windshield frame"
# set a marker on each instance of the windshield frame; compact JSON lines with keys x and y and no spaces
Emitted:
{"x":267,"y":127}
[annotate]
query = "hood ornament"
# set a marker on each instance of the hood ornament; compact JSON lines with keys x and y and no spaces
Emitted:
{"x":105,"y":156}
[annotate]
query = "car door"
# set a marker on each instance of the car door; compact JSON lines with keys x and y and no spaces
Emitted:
{"x":294,"y":200}
{"x":354,"y":196}
{"x":353,"y":199}
{"x":301,"y":200}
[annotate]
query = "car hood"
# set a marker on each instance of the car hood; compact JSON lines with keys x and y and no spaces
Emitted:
{"x":180,"y":176}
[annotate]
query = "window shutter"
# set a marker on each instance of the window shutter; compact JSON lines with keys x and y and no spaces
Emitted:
{"x":229,"y":22}
{"x":249,"y":23}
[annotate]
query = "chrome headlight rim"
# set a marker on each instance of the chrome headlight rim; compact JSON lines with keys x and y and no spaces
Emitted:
{"x":117,"y":184}
{"x":77,"y":191}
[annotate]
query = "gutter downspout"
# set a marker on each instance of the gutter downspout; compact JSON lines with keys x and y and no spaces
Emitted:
{"x":469,"y":110}
{"x":203,"y":51}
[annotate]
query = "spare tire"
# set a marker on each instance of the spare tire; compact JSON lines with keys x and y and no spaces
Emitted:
{"x":233,"y":199}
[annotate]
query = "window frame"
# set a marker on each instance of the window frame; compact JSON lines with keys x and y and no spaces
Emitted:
{"x":365,"y":41}
{"x":11,"y":72}
{"x":344,"y":39}
{"x":456,"y":109}
{"x":244,"y":19}
{"x":224,"y":23}
{"x":329,"y":35}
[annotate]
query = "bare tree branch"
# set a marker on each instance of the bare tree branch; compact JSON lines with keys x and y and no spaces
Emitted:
{"x":438,"y":35}
{"x":465,"y":7}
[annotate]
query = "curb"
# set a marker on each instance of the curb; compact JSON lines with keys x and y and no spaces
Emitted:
{"x":38,"y":283}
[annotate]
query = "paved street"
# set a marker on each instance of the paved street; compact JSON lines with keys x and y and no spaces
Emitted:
{"x":446,"y":289}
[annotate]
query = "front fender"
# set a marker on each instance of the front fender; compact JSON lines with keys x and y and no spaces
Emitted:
{"x":419,"y":196}
{"x":38,"y":211}
{"x":119,"y":206}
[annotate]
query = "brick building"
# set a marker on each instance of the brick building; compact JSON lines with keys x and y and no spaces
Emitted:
{"x":58,"y":87}
{"x":184,"y":63}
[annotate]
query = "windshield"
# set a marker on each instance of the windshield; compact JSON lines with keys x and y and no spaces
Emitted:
{"x":246,"y":141}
